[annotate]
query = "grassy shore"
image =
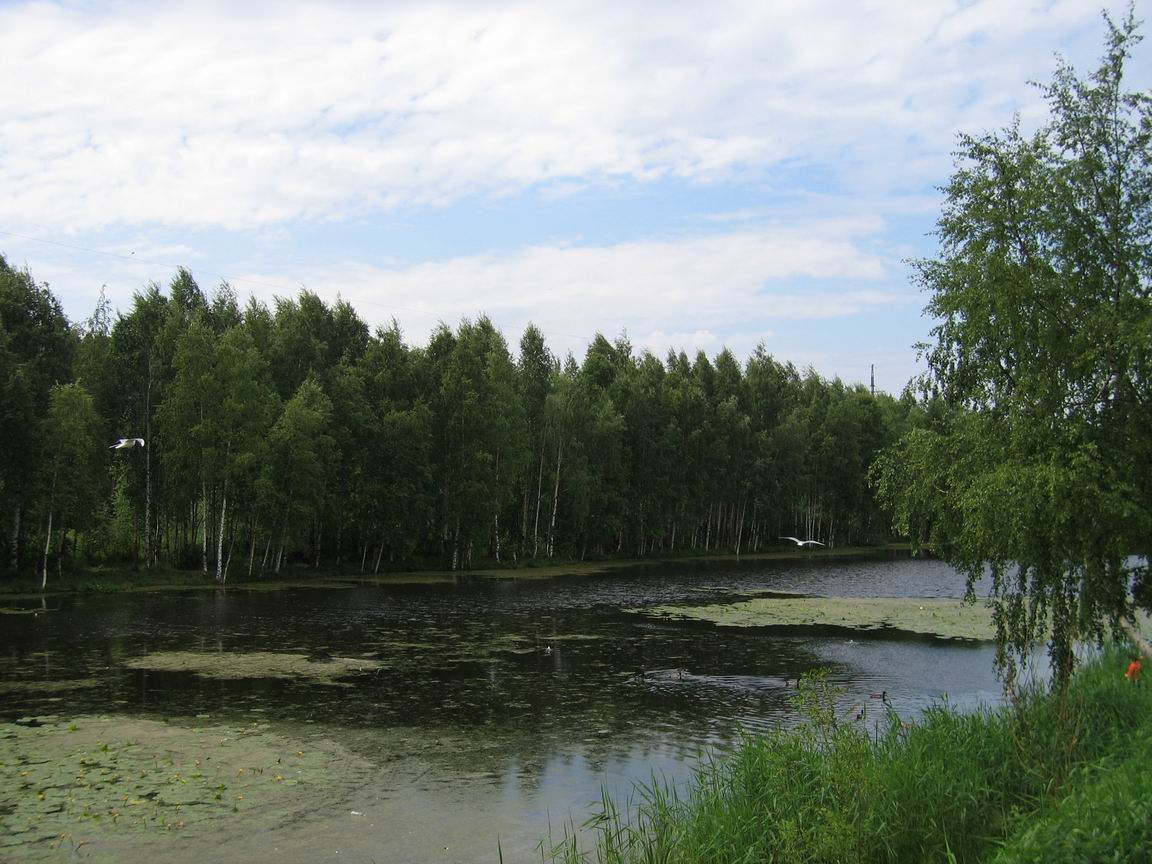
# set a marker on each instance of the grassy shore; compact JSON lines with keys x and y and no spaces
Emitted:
{"x":1038,"y":780}
{"x":126,"y":578}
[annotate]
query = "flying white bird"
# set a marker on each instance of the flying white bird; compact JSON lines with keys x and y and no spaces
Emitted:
{"x":799,"y":542}
{"x":126,"y":443}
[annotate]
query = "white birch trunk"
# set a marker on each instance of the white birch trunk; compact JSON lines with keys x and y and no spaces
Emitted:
{"x":379,"y":555}
{"x":220,"y":536}
{"x":539,"y":492}
{"x":204,"y":535}
{"x":47,"y":546}
{"x":555,"y":498}
{"x":252,"y":547}
{"x":740,"y":525}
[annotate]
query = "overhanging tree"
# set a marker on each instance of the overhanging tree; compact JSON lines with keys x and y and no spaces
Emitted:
{"x":1039,"y":472}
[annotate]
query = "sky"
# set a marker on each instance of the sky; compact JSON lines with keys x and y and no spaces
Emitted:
{"x":690,"y":175}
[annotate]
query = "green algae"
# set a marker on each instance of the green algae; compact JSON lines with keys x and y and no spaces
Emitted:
{"x":943,"y":618}
{"x":256,"y":664}
{"x":96,"y":781}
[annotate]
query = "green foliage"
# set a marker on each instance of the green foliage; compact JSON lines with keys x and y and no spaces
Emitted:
{"x":300,"y":454}
{"x":73,"y":466}
{"x":36,"y":348}
{"x":76,"y":457}
{"x":1104,"y":819}
{"x":296,"y":435}
{"x":948,"y":787}
{"x":1035,"y":464}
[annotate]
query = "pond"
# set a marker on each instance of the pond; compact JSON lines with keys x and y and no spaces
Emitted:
{"x":436,"y":722}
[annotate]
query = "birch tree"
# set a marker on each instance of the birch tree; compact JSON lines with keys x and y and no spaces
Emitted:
{"x":36,"y":347}
{"x":74,"y":467}
{"x":1043,"y":354}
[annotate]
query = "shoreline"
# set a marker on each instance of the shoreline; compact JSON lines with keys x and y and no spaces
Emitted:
{"x":124,"y":580}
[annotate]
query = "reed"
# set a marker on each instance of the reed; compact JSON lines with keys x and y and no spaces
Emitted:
{"x":950,"y":787}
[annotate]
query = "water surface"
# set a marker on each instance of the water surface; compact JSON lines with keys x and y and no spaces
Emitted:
{"x":498,"y":708}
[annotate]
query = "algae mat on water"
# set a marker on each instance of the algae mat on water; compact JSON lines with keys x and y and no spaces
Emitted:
{"x":256,"y":664}
{"x":947,"y":619}
{"x":94,"y":785}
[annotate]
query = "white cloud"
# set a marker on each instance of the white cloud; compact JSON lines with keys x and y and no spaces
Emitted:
{"x":781,"y":284}
{"x":686,"y":293}
{"x":249,"y":115}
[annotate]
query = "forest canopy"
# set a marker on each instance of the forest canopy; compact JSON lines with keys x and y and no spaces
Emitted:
{"x":295,"y":434}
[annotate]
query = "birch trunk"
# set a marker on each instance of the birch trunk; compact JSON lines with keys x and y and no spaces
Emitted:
{"x":48,"y":541}
{"x":740,"y":525}
{"x":204,"y":533}
{"x":47,"y":546}
{"x":228,"y":560}
{"x":252,"y":547}
{"x":555,"y":498}
{"x":220,"y":576}
{"x":379,"y":555}
{"x":283,"y":530}
{"x":539,"y":492}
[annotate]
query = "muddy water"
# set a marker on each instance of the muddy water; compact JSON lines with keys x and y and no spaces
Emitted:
{"x":462,"y":718}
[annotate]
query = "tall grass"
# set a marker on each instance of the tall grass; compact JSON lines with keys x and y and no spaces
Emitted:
{"x":951,"y":787}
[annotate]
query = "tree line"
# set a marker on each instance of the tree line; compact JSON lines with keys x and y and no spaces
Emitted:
{"x":295,"y":434}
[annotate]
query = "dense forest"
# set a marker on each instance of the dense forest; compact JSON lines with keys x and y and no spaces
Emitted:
{"x":294,"y":434}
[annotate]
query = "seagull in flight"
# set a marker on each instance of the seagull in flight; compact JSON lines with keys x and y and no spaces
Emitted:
{"x":127,"y":443}
{"x":799,"y":542}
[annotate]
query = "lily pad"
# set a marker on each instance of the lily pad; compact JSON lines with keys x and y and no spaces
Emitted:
{"x":103,"y":780}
